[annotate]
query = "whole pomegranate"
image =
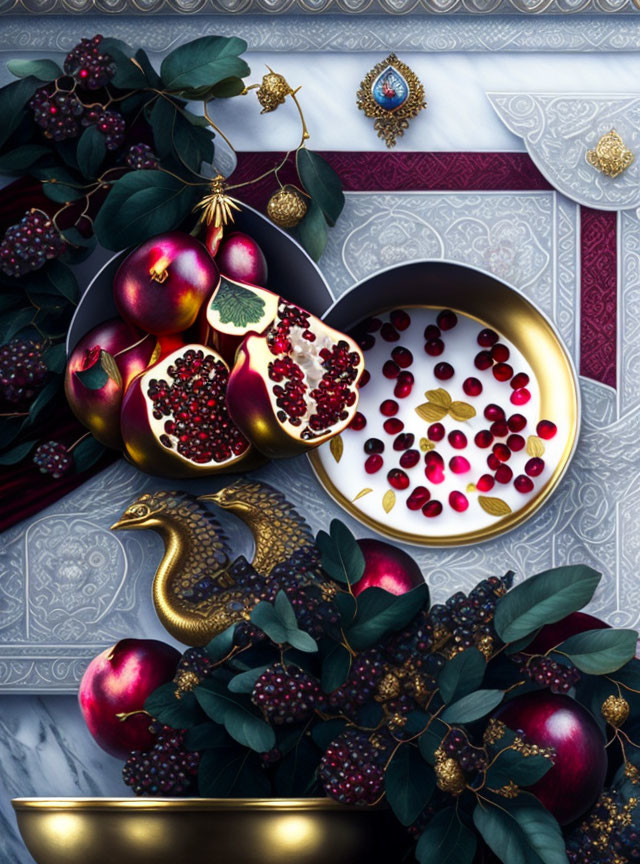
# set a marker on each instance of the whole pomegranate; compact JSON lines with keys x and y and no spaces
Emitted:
{"x":554,"y":634}
{"x":118,"y":681}
{"x":174,"y":418}
{"x":162,"y":284}
{"x":99,"y":410}
{"x":571,"y":787}
{"x":387,"y":567}
{"x":239,"y":257}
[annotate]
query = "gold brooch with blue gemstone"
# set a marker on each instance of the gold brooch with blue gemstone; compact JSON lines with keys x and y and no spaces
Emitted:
{"x":391,"y":94}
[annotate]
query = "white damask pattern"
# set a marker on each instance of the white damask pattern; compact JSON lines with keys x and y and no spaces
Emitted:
{"x":628,"y":318}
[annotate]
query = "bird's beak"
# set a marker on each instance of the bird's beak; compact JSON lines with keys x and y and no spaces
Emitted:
{"x":216,"y":497}
{"x":123,"y":522}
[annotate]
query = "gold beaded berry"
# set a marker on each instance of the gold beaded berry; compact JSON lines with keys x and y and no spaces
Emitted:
{"x":615,"y":710}
{"x":286,"y":208}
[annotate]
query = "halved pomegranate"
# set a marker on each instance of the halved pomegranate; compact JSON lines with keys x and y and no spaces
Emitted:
{"x":174,"y":418}
{"x":295,"y":386}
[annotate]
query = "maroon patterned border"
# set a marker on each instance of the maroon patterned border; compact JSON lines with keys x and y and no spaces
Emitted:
{"x":598,"y":299}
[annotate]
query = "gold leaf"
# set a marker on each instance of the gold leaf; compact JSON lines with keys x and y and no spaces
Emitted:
{"x":110,"y":366}
{"x":462,"y":411}
{"x":535,"y":447}
{"x":471,"y":487}
{"x":426,"y":445}
{"x":439,"y":397}
{"x":336,"y":446}
{"x":494,"y":506}
{"x":389,"y":500}
{"x":430,"y":412}
{"x":157,"y":351}
{"x":362,"y":493}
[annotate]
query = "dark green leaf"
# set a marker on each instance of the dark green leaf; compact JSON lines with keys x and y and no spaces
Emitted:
{"x":380,"y":613}
{"x":142,"y":204}
{"x":521,"y":831}
{"x":221,"y":645}
{"x":55,"y":278}
{"x":55,"y":357}
{"x":180,"y":713}
{"x":324,"y":733}
{"x":519,"y":645}
{"x":600,"y":652}
{"x":17,"y":454}
{"x":192,"y":143}
{"x":296,"y":774}
{"x":13,"y":99}
{"x":228,"y":88}
{"x":473,"y":706}
{"x":511,"y":765}
{"x":302,"y":641}
{"x":347,"y":607}
{"x":285,"y":612}
{"x":207,"y":736}
{"x":238,"y":716}
{"x":232,"y":773}
{"x":312,"y":232}
{"x":48,"y":392}
{"x":265,"y":617}
{"x":15,"y":321}
{"x":204,"y":62}
{"x":237,"y":305}
{"x":462,"y":675}
{"x":161,"y":119}
{"x":342,"y":557}
{"x":92,"y":148}
{"x":76,"y":238}
{"x":245,"y":681}
{"x":321,"y":182}
{"x":59,"y":184}
{"x":10,"y":427}
{"x":629,"y":675}
{"x":87,"y":453}
{"x":446,"y":840}
{"x":19,"y":161}
{"x":43,"y":70}
{"x":544,"y":599}
{"x":409,"y":783}
{"x":152,"y":76}
{"x":335,"y":668}
{"x":128,"y":76}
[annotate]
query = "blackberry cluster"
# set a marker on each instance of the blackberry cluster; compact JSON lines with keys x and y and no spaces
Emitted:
{"x":299,"y":577}
{"x":141,"y":157}
{"x":53,"y":458}
{"x":110,"y":123}
{"x":286,"y":695}
{"x":548,"y":673}
{"x":166,"y":769}
{"x":608,"y":835}
{"x":29,"y":244}
{"x":351,"y":769}
{"x":471,"y":759}
{"x":412,"y":644}
{"x":22,"y":370}
{"x":58,"y":112}
{"x":196,"y":661}
{"x":88,"y":66}
{"x":366,"y":672}
{"x":470,"y":618}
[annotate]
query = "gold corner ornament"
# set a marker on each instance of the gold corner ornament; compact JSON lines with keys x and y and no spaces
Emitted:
{"x":610,"y":155}
{"x":391,"y":94}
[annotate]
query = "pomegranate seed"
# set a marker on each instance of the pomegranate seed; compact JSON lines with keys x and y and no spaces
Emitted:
{"x":366,"y":341}
{"x":409,"y":458}
{"x":502,"y":372}
{"x":534,"y":467}
{"x":523,"y":484}
{"x":402,"y":356}
{"x":359,"y":422}
{"x":500,"y":353}
{"x":404,"y":441}
{"x":432,"y":457}
{"x":457,"y":439}
{"x":483,"y":360}
{"x":499,"y":429}
{"x":431,"y":332}
{"x":487,"y":338}
{"x":515,"y":443}
{"x":443,"y":371}
{"x":390,"y":369}
{"x":504,"y":474}
{"x":418,"y":498}
{"x":472,"y":387}
{"x":392,"y":426}
{"x":435,"y":432}
{"x":364,"y":378}
{"x":459,"y":465}
{"x":404,"y":385}
{"x":400,"y":319}
{"x":389,"y":408}
{"x":374,"y":463}
{"x":484,"y":438}
{"x":502,"y":452}
{"x":373,"y":445}
{"x":493,"y":462}
{"x":434,"y":347}
{"x":398,"y":479}
{"x":432,"y":509}
{"x":517,"y":422}
{"x":519,"y":380}
{"x":389,"y":333}
{"x":447,"y":319}
{"x":485,"y":483}
{"x":458,"y":501}
{"x":372,"y":325}
{"x":520,"y":397}
{"x":546,"y":429}
{"x":434,"y":472}
{"x":494,"y":412}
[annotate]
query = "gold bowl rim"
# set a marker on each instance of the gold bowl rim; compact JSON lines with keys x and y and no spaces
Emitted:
{"x":191,"y":804}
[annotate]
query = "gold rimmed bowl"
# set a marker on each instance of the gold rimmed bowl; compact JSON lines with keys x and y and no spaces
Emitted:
{"x":205,"y":830}
{"x":482,"y":301}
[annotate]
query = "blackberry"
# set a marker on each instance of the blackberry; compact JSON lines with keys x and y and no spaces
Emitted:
{"x":608,"y":834}
{"x":456,"y":745}
{"x":22,"y":370}
{"x":366,"y":672}
{"x":141,"y":157}
{"x":88,"y":66}
{"x":351,"y":769}
{"x":110,"y":123}
{"x":413,"y":644}
{"x":286,"y":695}
{"x":166,"y":769}
{"x":53,"y":458}
{"x":29,"y":244}
{"x":194,"y":666}
{"x":58,"y":112}
{"x":548,"y":673}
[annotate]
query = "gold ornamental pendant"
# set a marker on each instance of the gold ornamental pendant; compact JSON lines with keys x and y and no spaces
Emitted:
{"x":610,"y":155}
{"x":391,"y":94}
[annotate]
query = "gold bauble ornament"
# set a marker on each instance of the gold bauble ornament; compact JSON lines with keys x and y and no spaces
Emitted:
{"x":615,"y":710}
{"x":273,"y":91}
{"x":286,"y":208}
{"x":185,"y":682}
{"x":449,"y":775}
{"x":388,"y":688}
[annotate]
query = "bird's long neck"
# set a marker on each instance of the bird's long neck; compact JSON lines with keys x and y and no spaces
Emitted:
{"x":275,"y":540}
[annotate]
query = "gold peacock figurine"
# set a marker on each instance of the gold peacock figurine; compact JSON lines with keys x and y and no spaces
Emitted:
{"x":198,"y":591}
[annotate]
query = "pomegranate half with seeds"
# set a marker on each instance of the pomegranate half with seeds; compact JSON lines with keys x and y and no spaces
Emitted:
{"x":295,"y":386}
{"x":175,"y":421}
